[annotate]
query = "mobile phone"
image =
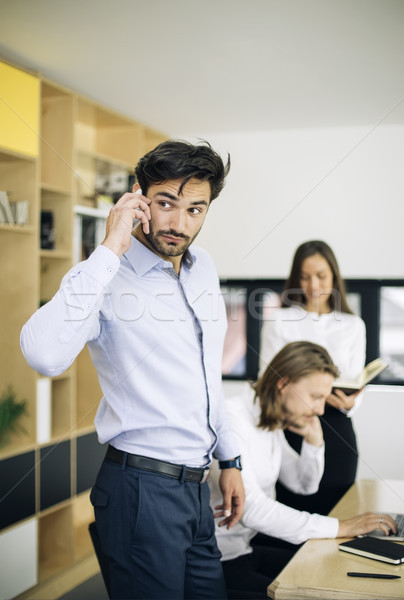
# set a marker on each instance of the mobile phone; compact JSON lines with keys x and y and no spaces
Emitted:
{"x":137,"y":221}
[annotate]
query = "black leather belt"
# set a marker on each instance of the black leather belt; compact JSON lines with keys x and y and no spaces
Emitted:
{"x":157,"y":466}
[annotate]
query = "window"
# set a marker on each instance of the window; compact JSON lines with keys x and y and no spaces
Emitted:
{"x":392,"y":332}
{"x":235,"y":345}
{"x":379,"y":302}
{"x":246,"y":302}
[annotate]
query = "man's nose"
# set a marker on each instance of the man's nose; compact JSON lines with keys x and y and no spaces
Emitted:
{"x":177,"y":220}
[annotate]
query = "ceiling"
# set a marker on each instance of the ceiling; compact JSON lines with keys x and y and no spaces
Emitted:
{"x":214,"y":66}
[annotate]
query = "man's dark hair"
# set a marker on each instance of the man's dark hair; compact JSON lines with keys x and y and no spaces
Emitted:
{"x":177,"y":159}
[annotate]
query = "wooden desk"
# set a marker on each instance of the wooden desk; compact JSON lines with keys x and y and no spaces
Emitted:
{"x":319,"y":569}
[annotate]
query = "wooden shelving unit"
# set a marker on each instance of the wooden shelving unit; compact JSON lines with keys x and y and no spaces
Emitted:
{"x":80,"y":142}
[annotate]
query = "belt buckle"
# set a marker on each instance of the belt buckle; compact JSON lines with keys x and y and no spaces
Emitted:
{"x":205,"y":475}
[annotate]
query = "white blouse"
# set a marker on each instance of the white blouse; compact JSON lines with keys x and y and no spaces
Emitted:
{"x":342,"y":334}
{"x":267,"y":457}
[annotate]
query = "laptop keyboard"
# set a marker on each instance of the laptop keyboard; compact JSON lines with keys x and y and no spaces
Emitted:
{"x":399,"y":519}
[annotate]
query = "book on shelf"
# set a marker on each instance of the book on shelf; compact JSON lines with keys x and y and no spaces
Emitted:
{"x":372,"y":370}
{"x":13,"y":213}
{"x":6,"y":216}
{"x":383,"y":550}
{"x":20,"y":211}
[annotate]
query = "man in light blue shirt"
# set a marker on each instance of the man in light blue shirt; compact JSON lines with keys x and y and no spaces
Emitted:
{"x":147,"y":302}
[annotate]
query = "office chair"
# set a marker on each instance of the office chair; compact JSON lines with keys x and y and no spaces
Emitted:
{"x":102,"y":559}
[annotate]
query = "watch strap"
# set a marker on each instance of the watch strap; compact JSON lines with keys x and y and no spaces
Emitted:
{"x":231,"y":464}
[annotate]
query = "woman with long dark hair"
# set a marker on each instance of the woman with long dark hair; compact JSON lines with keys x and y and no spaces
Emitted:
{"x":315,"y":308}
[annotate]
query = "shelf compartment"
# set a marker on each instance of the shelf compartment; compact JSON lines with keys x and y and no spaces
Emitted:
{"x":56,"y":542}
{"x":17,"y":488}
{"x":53,"y":269}
{"x":62,"y":407}
{"x":89,"y":169}
{"x":19,"y":294}
{"x":18,"y":179}
{"x":55,"y":402}
{"x":18,"y":575}
{"x":54,"y":474}
{"x":57,"y":136}
{"x":103,"y":132}
{"x":60,"y":206}
{"x":83,"y":515}
{"x":19,"y":111}
{"x":87,"y":470}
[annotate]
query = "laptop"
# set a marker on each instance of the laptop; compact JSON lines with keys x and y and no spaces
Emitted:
{"x":398,"y":537}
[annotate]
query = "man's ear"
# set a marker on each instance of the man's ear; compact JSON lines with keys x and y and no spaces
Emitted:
{"x":135,"y":188}
{"x":281,"y":383}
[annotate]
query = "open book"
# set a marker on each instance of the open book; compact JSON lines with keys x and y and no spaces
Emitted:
{"x":369,"y":372}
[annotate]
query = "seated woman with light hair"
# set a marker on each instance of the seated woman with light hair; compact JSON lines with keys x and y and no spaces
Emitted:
{"x":290,"y":394}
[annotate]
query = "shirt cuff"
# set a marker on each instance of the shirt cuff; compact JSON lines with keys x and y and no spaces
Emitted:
{"x":226,"y":449}
{"x":311,"y":450}
{"x":102,"y":265}
{"x":331,"y":527}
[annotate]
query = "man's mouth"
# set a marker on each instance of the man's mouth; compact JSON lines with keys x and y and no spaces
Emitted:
{"x":172,"y":239}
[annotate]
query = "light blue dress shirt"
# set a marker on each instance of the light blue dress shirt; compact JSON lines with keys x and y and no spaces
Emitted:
{"x":156,"y":340}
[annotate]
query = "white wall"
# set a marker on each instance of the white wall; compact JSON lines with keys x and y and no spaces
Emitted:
{"x":379,"y":430}
{"x":343,"y":185}
{"x":18,"y":575}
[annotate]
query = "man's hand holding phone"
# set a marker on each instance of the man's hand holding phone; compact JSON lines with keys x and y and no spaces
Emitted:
{"x":132,"y":205}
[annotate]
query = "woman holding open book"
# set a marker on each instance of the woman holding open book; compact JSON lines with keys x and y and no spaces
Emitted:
{"x":315,"y":308}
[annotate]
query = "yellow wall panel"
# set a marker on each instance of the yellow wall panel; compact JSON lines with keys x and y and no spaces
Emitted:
{"x":19,"y":110}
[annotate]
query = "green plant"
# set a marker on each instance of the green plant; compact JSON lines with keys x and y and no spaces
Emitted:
{"x":10,"y":411}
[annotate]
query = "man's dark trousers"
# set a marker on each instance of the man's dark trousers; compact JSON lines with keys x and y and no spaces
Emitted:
{"x":158,"y":535}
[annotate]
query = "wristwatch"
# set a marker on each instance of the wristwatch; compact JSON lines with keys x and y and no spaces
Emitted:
{"x":231,"y":464}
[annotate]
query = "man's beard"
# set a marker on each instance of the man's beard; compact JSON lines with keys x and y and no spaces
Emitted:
{"x":166,"y":248}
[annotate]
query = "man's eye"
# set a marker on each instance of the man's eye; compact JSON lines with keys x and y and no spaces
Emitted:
{"x":194,"y":211}
{"x":164,"y":204}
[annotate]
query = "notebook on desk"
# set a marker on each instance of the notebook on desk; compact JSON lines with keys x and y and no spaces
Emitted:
{"x":398,"y":537}
{"x":383,"y":550}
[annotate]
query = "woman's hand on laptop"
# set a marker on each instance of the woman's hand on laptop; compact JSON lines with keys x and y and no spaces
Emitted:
{"x":366,"y":522}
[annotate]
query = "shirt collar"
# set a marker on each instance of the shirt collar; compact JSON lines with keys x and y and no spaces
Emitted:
{"x":143,"y":260}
